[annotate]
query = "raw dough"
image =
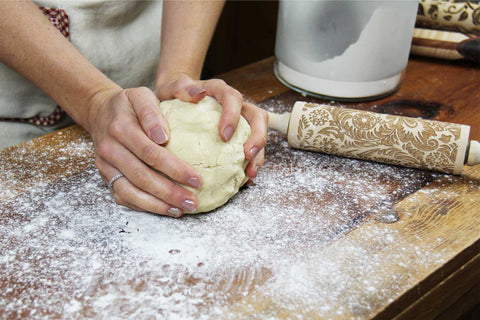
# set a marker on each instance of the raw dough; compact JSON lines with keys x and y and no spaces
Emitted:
{"x":194,"y":138}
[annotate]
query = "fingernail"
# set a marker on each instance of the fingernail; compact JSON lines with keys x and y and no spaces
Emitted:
{"x":188,"y":205}
{"x":159,"y":135}
{"x":193,"y":181}
{"x":175,"y":212}
{"x":254,"y":152}
{"x":195,"y":91}
{"x":228,"y":133}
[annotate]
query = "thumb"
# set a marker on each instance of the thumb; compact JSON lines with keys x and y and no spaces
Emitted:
{"x":184,"y":89}
{"x":152,"y":121}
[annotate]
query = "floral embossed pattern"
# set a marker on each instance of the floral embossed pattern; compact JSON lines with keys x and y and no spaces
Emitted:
{"x":384,"y":138}
{"x":463,"y":16}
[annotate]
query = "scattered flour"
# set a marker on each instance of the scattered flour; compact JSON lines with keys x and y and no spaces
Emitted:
{"x":68,"y":251}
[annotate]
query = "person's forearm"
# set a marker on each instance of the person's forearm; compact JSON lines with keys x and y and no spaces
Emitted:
{"x":33,"y":47}
{"x":187,"y":28}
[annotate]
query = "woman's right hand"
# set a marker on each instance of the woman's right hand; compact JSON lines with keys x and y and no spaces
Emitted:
{"x":129,"y":131}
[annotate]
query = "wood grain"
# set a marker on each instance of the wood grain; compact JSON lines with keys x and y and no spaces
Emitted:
{"x":443,"y":217}
{"x":449,"y":220}
{"x":43,"y":160}
{"x":432,"y":261}
{"x":431,"y":305}
{"x":421,"y":265}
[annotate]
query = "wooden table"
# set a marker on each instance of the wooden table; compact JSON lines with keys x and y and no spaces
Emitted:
{"x":332,"y":256}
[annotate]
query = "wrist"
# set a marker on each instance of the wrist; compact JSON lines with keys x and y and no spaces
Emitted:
{"x":95,"y":104}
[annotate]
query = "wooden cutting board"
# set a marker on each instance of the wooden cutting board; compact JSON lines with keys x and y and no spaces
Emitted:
{"x":308,"y":240}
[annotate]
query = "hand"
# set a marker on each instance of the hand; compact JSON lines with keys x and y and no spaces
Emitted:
{"x":128,"y":131}
{"x":184,"y":88}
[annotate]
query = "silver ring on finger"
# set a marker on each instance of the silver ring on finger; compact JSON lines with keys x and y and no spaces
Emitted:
{"x":112,"y":181}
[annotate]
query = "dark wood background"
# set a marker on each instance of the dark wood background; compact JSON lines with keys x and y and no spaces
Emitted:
{"x":245,"y":33}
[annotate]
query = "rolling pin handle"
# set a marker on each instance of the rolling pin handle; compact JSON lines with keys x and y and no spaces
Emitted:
{"x":279,"y":122}
{"x":473,"y":153}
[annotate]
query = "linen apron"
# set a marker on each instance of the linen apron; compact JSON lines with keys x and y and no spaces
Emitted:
{"x":121,"y":38}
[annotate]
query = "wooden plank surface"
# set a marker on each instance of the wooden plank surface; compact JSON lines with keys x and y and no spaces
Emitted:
{"x":50,"y":157}
{"x":432,"y":89}
{"x":307,"y":238}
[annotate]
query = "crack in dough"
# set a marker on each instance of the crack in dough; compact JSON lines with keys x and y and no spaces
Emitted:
{"x":194,"y":138}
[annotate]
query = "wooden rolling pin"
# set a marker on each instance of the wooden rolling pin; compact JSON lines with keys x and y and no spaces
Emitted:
{"x":445,"y":45}
{"x":404,"y":141}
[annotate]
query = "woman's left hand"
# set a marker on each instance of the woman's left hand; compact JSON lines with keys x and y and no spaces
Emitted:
{"x":183,"y":87}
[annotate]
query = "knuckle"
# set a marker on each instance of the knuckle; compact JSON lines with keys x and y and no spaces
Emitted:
{"x":138,"y":91}
{"x":183,"y":81}
{"x":218,"y":82}
{"x":215,"y":84}
{"x":159,"y":209}
{"x":142,"y":180}
{"x":143,"y":90}
{"x":149,"y":115}
{"x":235,"y":93}
{"x":178,"y":174}
{"x":102,"y":151}
{"x":169,"y":195}
{"x":152,"y":155}
{"x":115,"y":129}
{"x":233,"y":97}
{"x":174,"y":194}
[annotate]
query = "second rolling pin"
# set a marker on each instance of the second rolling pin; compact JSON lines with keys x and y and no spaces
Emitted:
{"x":404,"y":141}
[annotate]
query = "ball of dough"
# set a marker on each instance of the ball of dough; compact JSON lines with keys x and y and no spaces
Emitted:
{"x":194,"y":138}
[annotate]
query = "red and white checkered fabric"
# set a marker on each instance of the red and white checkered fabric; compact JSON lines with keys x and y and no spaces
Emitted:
{"x":59,"y":18}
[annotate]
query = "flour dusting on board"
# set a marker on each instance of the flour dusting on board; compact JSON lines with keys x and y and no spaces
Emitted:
{"x":69,"y":251}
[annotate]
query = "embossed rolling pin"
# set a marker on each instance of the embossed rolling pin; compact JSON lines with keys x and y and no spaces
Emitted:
{"x":404,"y":141}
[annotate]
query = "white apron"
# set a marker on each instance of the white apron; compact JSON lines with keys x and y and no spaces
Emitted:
{"x":121,"y":38}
